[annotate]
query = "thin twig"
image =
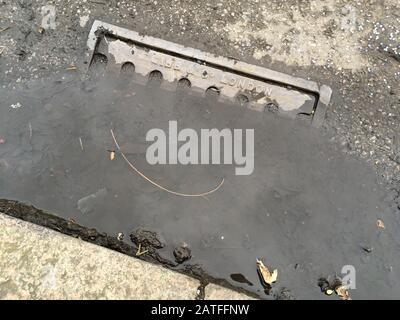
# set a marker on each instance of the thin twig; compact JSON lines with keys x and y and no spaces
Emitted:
{"x":139,"y":252}
{"x":30,"y":131}
{"x":4,"y":29}
{"x":81,"y":143}
{"x":155,"y":183}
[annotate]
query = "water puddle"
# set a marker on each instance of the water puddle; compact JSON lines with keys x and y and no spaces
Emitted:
{"x":306,"y":210}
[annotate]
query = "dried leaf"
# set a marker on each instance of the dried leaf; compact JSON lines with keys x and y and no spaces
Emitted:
{"x":380,"y":224}
{"x":342,"y":292}
{"x":112,"y":155}
{"x":266,"y":275}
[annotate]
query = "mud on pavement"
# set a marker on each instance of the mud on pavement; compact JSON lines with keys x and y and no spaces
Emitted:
{"x":314,"y":202}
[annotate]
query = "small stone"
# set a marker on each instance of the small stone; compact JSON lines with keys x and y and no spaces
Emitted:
{"x":146,"y":238}
{"x":323,"y":283}
{"x":92,"y":234}
{"x":182,"y":253}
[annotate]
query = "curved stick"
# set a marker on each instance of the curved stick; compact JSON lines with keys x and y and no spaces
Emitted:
{"x":155,"y":183}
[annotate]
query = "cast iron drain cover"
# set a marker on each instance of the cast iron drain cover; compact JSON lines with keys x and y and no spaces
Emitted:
{"x":126,"y":51}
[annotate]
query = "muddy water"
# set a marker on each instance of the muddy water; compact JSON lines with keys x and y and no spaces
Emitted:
{"x":307,"y":210}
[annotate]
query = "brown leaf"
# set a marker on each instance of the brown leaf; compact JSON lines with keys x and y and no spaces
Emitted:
{"x":266,"y":275}
{"x":342,"y":292}
{"x":380,"y":224}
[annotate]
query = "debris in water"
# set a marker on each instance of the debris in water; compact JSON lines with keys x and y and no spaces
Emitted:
{"x":71,"y":68}
{"x":81,"y":143}
{"x":182,"y":253}
{"x":367,"y":249}
{"x":335,"y":286}
{"x":16,"y":105}
{"x":146,"y":238}
{"x":139,"y":251}
{"x":267,"y":277}
{"x":155,"y":183}
{"x":120,"y":236}
{"x":112,"y":155}
{"x":325,"y":286}
{"x":30,"y":131}
{"x":86,"y":204}
{"x":342,"y":292}
{"x":380,"y":224}
{"x":329,"y":292}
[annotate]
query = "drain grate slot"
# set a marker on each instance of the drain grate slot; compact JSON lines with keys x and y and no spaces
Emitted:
{"x":171,"y":65}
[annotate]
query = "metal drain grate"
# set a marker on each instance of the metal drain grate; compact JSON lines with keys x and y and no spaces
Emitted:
{"x":126,"y":51}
